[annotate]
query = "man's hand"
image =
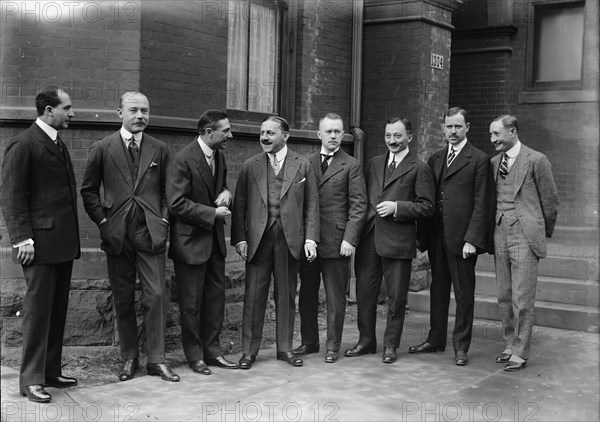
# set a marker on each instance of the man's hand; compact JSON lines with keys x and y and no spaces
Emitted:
{"x":468,"y":250}
{"x":310,"y":250}
{"x":26,"y":254}
{"x":346,"y":249}
{"x":242,"y":250}
{"x":386,"y":208}
{"x":222,"y":212}
{"x":224,"y":199}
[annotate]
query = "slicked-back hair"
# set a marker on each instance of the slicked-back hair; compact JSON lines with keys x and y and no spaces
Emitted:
{"x":457,"y":110}
{"x":331,"y":116}
{"x":407,"y":124}
{"x":127,"y":95}
{"x":508,"y":121}
{"x":285,"y":127}
{"x":48,"y":97}
{"x":209,"y":120}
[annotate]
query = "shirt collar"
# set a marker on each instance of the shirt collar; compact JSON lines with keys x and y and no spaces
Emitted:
{"x":514,"y":151}
{"x":49,"y":130}
{"x":398,"y":157}
{"x":325,"y":152}
{"x":281,"y":154}
{"x":458,"y":146}
{"x":208,"y":151}
{"x":126,"y":135}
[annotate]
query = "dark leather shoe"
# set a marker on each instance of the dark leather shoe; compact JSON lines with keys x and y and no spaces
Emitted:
{"x":514,"y":366}
{"x":359,"y":350}
{"x":331,"y":356}
{"x":36,"y":393}
{"x":163,"y":370}
{"x":60,"y":382}
{"x":290,"y":358}
{"x":426,"y":348}
{"x":306,"y":349}
{"x":199,"y":367}
{"x":503,"y":358}
{"x":389,"y":355}
{"x":461,"y":358}
{"x":129,"y":368}
{"x":246,"y":361}
{"x":221,"y":362}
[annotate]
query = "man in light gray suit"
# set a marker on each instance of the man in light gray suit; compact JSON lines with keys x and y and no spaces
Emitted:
{"x":526,"y":204}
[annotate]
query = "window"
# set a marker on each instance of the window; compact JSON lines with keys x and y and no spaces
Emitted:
{"x":254,"y":55}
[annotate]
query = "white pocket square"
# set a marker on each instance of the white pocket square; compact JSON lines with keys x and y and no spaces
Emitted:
{"x":153,"y":164}
{"x":301,"y":181}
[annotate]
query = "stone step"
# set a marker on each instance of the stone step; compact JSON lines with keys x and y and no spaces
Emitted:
{"x":549,"y":289}
{"x":547,"y":314}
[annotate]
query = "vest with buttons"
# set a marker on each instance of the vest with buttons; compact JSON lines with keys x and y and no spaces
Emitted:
{"x":505,"y":202}
{"x":274,"y":183}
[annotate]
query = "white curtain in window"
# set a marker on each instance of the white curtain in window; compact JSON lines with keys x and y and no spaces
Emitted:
{"x":237,"y":57}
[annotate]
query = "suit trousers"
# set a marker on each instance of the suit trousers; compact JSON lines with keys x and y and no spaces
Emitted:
{"x":150,"y":267}
{"x":449,"y":270}
{"x":370,"y":268}
{"x":516,"y":280}
{"x":271,"y":257}
{"x":335,"y":274}
{"x":44,"y":316}
{"x":201,"y":292}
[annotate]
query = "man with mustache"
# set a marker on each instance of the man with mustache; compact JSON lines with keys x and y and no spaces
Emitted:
{"x":464,"y":211}
{"x":275,"y":219}
{"x":400,"y":191}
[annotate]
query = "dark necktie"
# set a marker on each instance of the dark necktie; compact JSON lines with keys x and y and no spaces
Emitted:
{"x":504,"y":166}
{"x":391,"y":167}
{"x":134,"y":151}
{"x":324,"y":163}
{"x":211,"y":162}
{"x":451,"y":156}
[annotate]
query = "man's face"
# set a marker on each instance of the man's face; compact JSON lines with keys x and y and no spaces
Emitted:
{"x":135,"y":112}
{"x":396,"y":137}
{"x":503,"y":138}
{"x":455,"y":128}
{"x":61,"y":114}
{"x":272,"y":138}
{"x":217,"y":138}
{"x":331,"y":133}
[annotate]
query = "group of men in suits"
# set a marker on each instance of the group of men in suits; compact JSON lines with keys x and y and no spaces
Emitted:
{"x":291,"y":215}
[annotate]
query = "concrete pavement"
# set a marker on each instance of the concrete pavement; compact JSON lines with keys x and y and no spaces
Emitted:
{"x":560,"y":383}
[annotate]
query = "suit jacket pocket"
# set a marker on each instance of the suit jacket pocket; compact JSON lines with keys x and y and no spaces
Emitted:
{"x":42,"y":223}
{"x":341,"y":225}
{"x":183,"y":229}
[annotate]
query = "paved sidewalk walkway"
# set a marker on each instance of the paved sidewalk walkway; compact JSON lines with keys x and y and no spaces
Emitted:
{"x":560,"y":383}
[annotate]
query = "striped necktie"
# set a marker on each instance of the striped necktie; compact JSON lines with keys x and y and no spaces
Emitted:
{"x":451,"y":156}
{"x":504,"y":166}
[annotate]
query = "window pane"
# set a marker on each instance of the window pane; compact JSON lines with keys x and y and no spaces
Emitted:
{"x":559,"y":43}
{"x":237,"y":56}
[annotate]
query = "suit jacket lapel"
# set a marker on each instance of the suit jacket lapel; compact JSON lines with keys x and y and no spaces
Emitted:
{"x":405,"y":165}
{"x":521,"y":165}
{"x":380,"y":164}
{"x":203,"y":168}
{"x":290,"y":169}
{"x":49,"y":143}
{"x":260,"y":175}
{"x":461,"y":160}
{"x":146,"y":156}
{"x":337,"y":164}
{"x":220,"y":165}
{"x":116,"y":149}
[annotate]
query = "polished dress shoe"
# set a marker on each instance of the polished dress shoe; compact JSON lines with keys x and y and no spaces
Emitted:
{"x":129,"y":368}
{"x":389,"y":355}
{"x":221,"y":362}
{"x":359,"y":350}
{"x":163,"y":370}
{"x":60,"y":382}
{"x":290,"y":358}
{"x":36,"y":393}
{"x":426,"y":347}
{"x":503,"y":358}
{"x":515,"y":366}
{"x":306,"y":349}
{"x":199,"y":367}
{"x":461,"y":358}
{"x":331,"y":356}
{"x":246,"y":361}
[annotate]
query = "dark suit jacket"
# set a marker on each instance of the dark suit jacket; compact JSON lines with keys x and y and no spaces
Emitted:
{"x":299,"y":203}
{"x":342,"y":202}
{"x":469,"y":199}
{"x":39,"y":197}
{"x":535,"y":197}
{"x":191,"y":194}
{"x":411,"y":187}
{"x":107,"y":166}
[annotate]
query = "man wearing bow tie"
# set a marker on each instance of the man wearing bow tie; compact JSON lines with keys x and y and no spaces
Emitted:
{"x":274,"y":221}
{"x":461,"y":224}
{"x":131,"y":167}
{"x":401,"y":191}
{"x":342,"y":211}
{"x":39,"y":203}
{"x":198,"y":202}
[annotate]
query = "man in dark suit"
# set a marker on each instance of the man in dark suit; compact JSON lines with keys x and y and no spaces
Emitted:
{"x":401,"y":191}
{"x":39,"y":202}
{"x":275,"y":219}
{"x":132,"y":217}
{"x":461,"y":224}
{"x":342,"y":211}
{"x":198,"y":203}
{"x":526,"y":213}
